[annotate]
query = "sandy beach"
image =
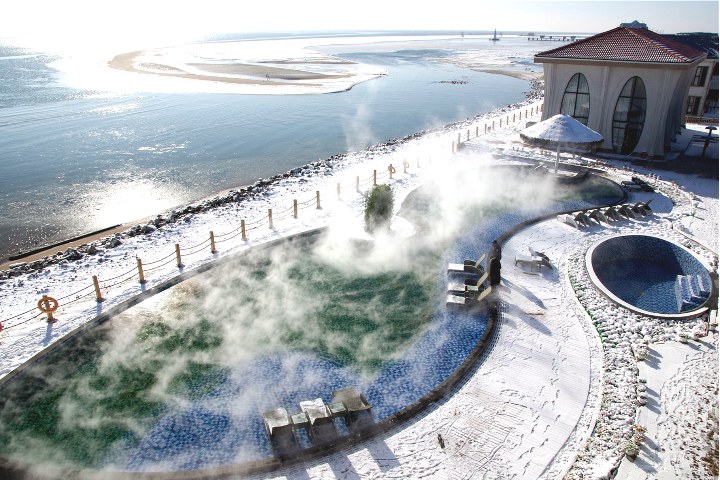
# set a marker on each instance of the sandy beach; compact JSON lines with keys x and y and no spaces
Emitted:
{"x":127,"y":62}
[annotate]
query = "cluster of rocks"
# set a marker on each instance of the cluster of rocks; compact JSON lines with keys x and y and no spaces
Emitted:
{"x":537,"y":90}
{"x":257,"y":189}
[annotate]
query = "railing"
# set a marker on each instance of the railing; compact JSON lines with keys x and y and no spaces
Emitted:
{"x":701,"y":120}
{"x":138,"y":273}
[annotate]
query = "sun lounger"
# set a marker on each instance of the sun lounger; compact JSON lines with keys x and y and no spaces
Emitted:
{"x":626,"y":211}
{"x":322,"y":427}
{"x":467,"y":300}
{"x":598,"y":216}
{"x":359,"y":411}
{"x":568,"y":219}
{"x":469,"y":266}
{"x":643,"y":208}
{"x":279,"y":427}
{"x":638,"y":209}
{"x":582,"y":219}
{"x":544,"y":259}
{"x":528,"y":261}
{"x":613,"y":214}
{"x":469,"y":285}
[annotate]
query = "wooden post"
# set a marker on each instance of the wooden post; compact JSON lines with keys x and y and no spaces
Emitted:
{"x":477,"y":131}
{"x":295,"y":208}
{"x":513,"y":118}
{"x":357,"y":184}
{"x":542,"y":106}
{"x":458,"y":139}
{"x":177,"y":253}
{"x":493,"y":125}
{"x":140,"y":271}
{"x":452,"y":149}
{"x":486,"y":128}
{"x":242,"y":228}
{"x":468,"y":135}
{"x":338,"y":192}
{"x":212,"y":243}
{"x":98,"y":296}
{"x":317,"y":194}
{"x":270,"y":218}
{"x":374,"y":177}
{"x":391,"y":169}
{"x":507,"y":122}
{"x":501,"y":123}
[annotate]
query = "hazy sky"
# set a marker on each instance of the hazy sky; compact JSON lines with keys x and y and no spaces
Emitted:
{"x":89,"y":22}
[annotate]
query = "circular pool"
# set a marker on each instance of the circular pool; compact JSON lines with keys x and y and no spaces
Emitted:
{"x":649,"y":275}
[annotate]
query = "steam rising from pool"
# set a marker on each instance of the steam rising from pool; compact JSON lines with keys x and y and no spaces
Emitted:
{"x":180,"y":381}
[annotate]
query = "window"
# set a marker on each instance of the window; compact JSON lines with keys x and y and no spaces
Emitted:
{"x":699,"y":78}
{"x":692,"y":106}
{"x":576,"y":101}
{"x":629,"y":116}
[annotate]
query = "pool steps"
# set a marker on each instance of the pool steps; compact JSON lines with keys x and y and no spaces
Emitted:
{"x":691,"y":291}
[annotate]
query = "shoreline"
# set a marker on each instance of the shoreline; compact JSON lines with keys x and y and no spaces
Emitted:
{"x":234,"y":194}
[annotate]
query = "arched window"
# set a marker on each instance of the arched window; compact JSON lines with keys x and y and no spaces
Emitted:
{"x":576,"y":101}
{"x":629,"y":116}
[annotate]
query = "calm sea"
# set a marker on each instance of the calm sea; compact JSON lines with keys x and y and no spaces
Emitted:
{"x":75,"y":161}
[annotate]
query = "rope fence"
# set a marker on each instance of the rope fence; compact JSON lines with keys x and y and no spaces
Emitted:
{"x":138,"y":273}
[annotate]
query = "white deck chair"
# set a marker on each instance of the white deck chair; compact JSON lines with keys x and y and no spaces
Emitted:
{"x":568,"y":219}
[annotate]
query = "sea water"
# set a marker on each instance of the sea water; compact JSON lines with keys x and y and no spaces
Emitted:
{"x":75,"y":161}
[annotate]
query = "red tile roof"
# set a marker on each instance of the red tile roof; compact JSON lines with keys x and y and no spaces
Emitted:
{"x":629,"y":45}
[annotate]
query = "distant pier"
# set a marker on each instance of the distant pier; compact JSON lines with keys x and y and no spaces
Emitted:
{"x":554,"y":38}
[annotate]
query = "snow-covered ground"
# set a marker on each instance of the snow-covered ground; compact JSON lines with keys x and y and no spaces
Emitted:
{"x":559,"y":391}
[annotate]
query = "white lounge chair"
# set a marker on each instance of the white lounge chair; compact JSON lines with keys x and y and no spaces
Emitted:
{"x":468,"y":267}
{"x":544,"y":259}
{"x":568,"y":219}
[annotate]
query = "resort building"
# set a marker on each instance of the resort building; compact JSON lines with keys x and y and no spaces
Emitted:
{"x":629,"y":84}
{"x":703,"y":95}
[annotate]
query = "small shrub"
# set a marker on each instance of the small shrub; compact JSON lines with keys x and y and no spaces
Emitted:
{"x":379,"y":206}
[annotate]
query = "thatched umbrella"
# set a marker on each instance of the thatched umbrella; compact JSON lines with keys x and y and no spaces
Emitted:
{"x":561,"y":130}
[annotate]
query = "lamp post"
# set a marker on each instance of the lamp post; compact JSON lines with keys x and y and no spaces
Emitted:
{"x":707,"y":139}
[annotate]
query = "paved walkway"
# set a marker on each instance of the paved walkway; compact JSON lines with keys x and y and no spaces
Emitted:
{"x":670,"y":404}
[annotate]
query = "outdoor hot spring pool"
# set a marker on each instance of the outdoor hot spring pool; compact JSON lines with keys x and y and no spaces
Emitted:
{"x":180,"y":381}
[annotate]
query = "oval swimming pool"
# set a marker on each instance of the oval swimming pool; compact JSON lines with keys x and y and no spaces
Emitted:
{"x":649,"y":275}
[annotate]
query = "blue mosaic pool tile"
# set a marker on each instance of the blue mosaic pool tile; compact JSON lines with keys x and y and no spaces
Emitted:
{"x":225,"y":426}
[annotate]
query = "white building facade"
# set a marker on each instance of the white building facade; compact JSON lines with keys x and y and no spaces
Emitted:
{"x":628,"y":84}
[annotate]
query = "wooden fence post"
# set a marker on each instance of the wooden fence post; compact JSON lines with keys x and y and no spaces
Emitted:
{"x":501,"y":123}
{"x":212,"y":243}
{"x":295,"y":208}
{"x":513,"y":118}
{"x":270,"y":218}
{"x":452,"y":149}
{"x":493,"y":125}
{"x":140,"y":271}
{"x":242,"y":229}
{"x":317,"y":194}
{"x":477,"y":131}
{"x":177,"y":252}
{"x":98,"y":295}
{"x":486,"y":128}
{"x":468,"y":135}
{"x":338,"y":192}
{"x":357,"y":184}
{"x":458,"y":139}
{"x":374,"y":177}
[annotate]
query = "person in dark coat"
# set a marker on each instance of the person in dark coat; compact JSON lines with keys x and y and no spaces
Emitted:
{"x":494,"y":271}
{"x":495,"y":251}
